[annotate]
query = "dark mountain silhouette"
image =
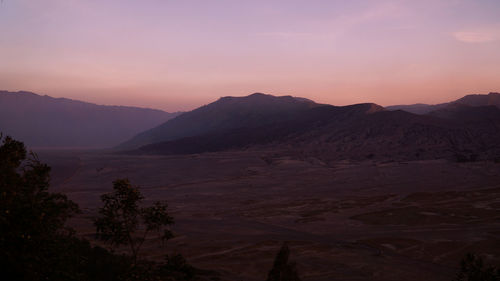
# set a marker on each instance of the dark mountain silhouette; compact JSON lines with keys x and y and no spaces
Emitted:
{"x":276,"y":132}
{"x":471,"y":100}
{"x":58,"y":122}
{"x":465,"y":129}
{"x":399,"y":135}
{"x":361,"y":131}
{"x":467,"y":113}
{"x":481,"y":100}
{"x":225,"y":114}
{"x":419,"y":108}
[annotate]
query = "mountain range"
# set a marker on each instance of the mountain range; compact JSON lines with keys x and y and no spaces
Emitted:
{"x":471,"y":100}
{"x":464,"y":130}
{"x":44,"y":121}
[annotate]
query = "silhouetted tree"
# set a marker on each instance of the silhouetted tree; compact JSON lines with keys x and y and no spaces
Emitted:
{"x":35,"y":244}
{"x":472,"y":268}
{"x":122,"y":221}
{"x":32,"y":220}
{"x":283,"y":269}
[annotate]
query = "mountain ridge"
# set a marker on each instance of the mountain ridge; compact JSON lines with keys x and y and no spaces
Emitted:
{"x":467,"y":128}
{"x":223,"y":114}
{"x":46,"y":121}
{"x":493,"y":98}
{"x":360,"y":131}
{"x":261,"y":135}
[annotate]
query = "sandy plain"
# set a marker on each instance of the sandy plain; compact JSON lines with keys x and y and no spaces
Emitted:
{"x":343,"y":220}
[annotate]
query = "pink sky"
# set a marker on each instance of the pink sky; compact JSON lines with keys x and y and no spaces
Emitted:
{"x":177,"y":55}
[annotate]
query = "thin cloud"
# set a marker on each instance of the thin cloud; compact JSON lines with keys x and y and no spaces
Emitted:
{"x":286,"y":35}
{"x":332,"y":28}
{"x":478,"y":36}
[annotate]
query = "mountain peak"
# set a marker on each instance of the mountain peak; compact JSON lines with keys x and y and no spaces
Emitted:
{"x":20,"y":93}
{"x":373,"y":107}
{"x":260,"y":95}
{"x":226,"y":113}
{"x":252,"y":96}
{"x":260,"y":99}
{"x":481,"y":100}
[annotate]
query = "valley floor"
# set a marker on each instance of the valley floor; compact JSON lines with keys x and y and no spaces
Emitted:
{"x":343,"y":220}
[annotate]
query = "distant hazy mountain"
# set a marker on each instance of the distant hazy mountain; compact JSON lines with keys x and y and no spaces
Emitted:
{"x":224,"y":114}
{"x":471,"y":100}
{"x":419,"y":108}
{"x":480,"y":100}
{"x":363,"y":131}
{"x":59,"y":122}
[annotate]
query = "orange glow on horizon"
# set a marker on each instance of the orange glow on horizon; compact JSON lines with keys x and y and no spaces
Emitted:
{"x":172,"y":56}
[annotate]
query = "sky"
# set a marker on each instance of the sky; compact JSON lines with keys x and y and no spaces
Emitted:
{"x":180,"y":54}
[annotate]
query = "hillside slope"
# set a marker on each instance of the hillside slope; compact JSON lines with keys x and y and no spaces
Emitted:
{"x":363,"y":131}
{"x":58,"y":122}
{"x":224,"y":114}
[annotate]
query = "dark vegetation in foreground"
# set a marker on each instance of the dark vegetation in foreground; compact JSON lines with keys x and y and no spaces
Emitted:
{"x":36,"y":244}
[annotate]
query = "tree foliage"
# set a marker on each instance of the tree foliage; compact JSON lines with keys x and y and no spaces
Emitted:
{"x":472,"y":268}
{"x":122,"y":221}
{"x":36,"y":244}
{"x":31,"y":217}
{"x":283,"y":269}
